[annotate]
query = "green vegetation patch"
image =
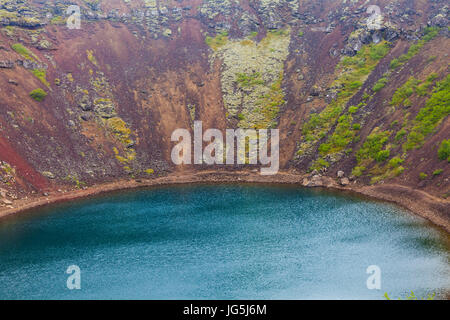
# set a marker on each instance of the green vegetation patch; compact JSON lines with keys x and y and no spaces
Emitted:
{"x":436,"y":109}
{"x":41,"y":74}
{"x":246,"y":81}
{"x":381,"y":83}
{"x":402,"y":94}
{"x":24,"y":52}
{"x":218,"y":41}
{"x":352,"y":71}
{"x":444,"y":150}
{"x":38,"y":94}
{"x":372,"y":148}
{"x":430,"y":33}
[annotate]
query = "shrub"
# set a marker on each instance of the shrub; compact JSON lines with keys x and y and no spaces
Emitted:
{"x":423,"y":176}
{"x":444,"y":150}
{"x":38,"y":94}
{"x":373,"y":146}
{"x":382,"y":155}
{"x":437,"y":172}
{"x":395,"y":162}
{"x":358,"y":171}
{"x":404,"y":92}
{"x":352,"y":109}
{"x":378,"y":52}
{"x":380,"y":84}
{"x":395,"y":64}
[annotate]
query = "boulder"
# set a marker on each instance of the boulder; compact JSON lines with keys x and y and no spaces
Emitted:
{"x":344,"y":182}
{"x":6,"y":64}
{"x":48,"y":175}
{"x":340,"y":174}
{"x":7,"y":202}
{"x":315,"y":181}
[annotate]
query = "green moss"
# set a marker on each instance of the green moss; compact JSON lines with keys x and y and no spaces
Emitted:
{"x":41,"y":74}
{"x":218,"y":41}
{"x":91,"y":57}
{"x":119,"y":128}
{"x":38,"y":94}
{"x":246,"y":81}
{"x":57,"y":20}
{"x":24,"y":52}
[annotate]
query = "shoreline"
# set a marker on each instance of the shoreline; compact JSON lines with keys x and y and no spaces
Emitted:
{"x":433,"y":209}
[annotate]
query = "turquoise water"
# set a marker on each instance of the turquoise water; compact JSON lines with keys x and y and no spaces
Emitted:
{"x":221,"y":242}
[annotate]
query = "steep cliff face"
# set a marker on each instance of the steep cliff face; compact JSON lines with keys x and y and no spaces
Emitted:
{"x":99,"y":103}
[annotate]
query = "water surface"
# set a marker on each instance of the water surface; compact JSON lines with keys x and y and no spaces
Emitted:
{"x":221,"y":242}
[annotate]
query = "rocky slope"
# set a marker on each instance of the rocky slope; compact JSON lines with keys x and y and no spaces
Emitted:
{"x":364,"y":102}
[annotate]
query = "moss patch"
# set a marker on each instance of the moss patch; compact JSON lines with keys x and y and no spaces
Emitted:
{"x":38,"y":94}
